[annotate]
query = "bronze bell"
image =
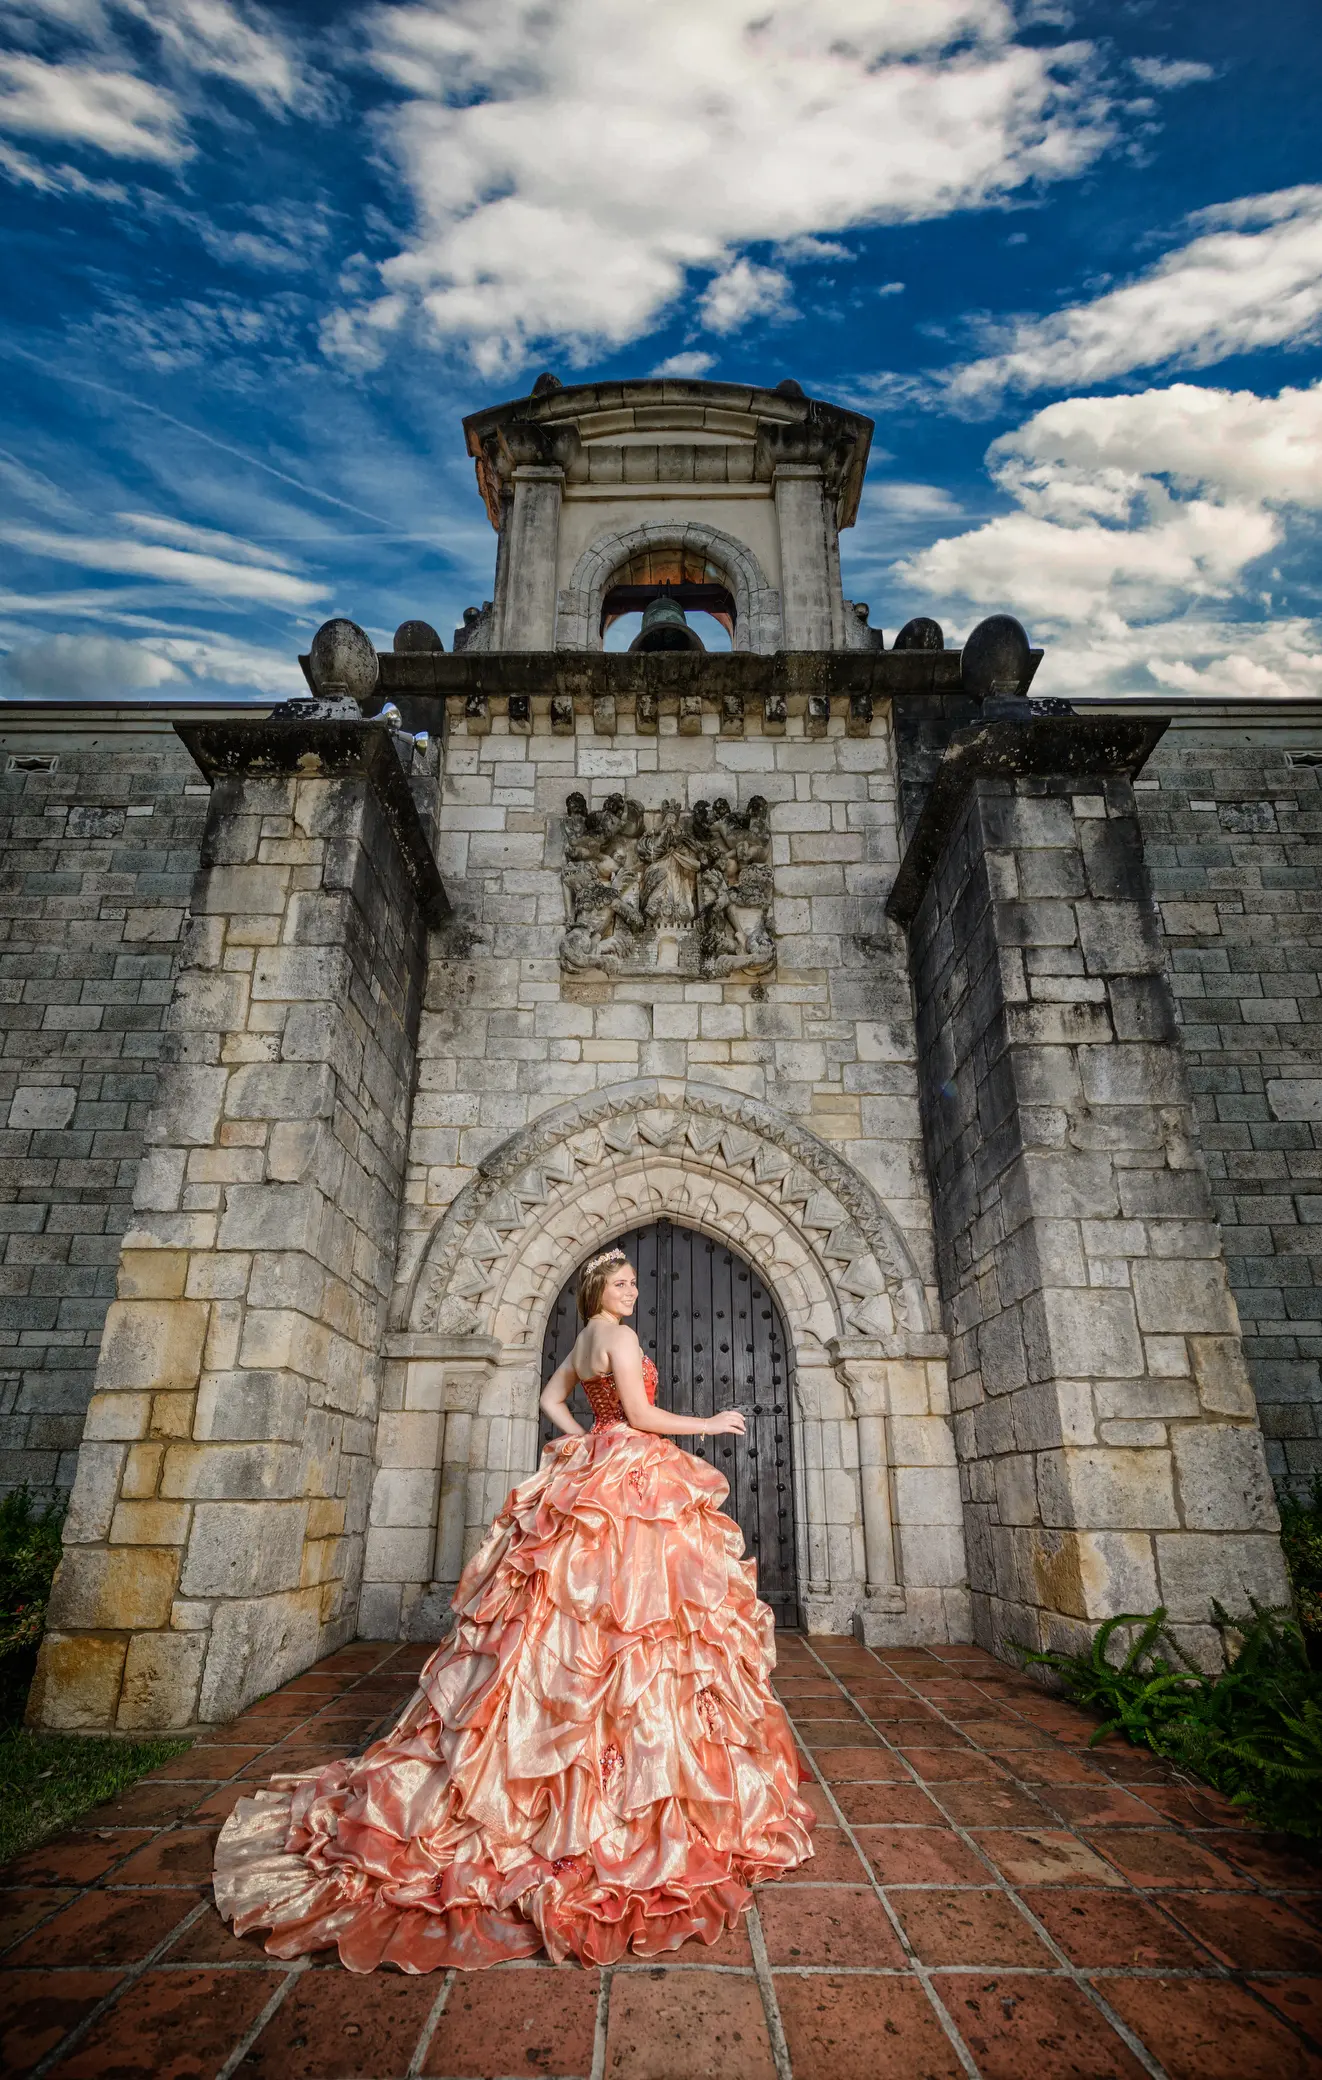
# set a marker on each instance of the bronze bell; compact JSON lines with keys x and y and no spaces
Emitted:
{"x":665,"y":628}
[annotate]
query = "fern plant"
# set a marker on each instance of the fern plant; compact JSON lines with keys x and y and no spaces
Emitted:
{"x":1254,"y":1729}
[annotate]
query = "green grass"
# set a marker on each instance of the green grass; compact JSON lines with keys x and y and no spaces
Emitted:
{"x":46,"y":1780}
{"x":1253,"y":1730}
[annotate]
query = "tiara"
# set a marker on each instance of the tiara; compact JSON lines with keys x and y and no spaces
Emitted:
{"x":608,"y":1256}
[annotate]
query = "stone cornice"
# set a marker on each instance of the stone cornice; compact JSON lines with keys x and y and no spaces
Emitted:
{"x":328,"y":750}
{"x":552,"y":426}
{"x":1092,"y":747}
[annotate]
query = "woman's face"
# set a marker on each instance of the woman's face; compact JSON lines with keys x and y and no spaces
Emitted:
{"x":620,"y":1293}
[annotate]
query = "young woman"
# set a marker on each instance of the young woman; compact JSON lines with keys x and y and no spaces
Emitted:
{"x":594,"y":1760}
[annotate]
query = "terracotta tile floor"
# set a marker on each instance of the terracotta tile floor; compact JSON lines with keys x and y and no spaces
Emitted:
{"x":989,"y":1897}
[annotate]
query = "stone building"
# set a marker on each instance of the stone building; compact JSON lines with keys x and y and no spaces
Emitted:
{"x":949,"y":1058}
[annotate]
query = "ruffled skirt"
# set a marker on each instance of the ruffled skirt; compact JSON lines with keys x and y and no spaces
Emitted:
{"x":593,"y":1761}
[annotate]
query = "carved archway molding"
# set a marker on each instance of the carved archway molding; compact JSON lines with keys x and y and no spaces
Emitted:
{"x":643,"y":1150}
{"x":758,"y":623}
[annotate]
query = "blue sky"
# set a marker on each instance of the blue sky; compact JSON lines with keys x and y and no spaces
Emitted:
{"x":260,"y":260}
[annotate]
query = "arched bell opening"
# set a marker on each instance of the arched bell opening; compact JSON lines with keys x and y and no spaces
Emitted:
{"x":717,"y":1336}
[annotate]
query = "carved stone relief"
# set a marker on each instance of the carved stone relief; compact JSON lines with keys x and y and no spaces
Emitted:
{"x":691,"y":895}
{"x":825,"y":1203}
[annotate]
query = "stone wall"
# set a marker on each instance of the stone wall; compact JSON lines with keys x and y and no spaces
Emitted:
{"x":214,"y":1539}
{"x":1231,"y":827}
{"x":1105,"y":1426}
{"x":507,"y":1037}
{"x":97,"y":856}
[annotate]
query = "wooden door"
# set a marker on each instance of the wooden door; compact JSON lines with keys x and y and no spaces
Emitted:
{"x":718,"y":1339}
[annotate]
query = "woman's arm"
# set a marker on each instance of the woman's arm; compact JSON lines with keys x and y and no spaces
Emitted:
{"x":555,"y":1396}
{"x":627,"y":1365}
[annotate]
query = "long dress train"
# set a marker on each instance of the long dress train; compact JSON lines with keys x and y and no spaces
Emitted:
{"x":594,"y":1759}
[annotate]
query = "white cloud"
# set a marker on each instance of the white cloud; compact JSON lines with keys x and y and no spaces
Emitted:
{"x":1162,"y":74}
{"x":100,"y":89}
{"x":91,"y":667}
{"x":1136,"y":525}
{"x":116,"y":112}
{"x":891,"y":289}
{"x":86,"y":667}
{"x":572,"y":162}
{"x":743,"y":292}
{"x":693,"y":364}
{"x":1251,"y":278}
{"x":205,"y":573}
{"x":238,"y":44}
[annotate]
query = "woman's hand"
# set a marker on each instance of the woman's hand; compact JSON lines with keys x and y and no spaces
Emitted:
{"x":729,"y":1423}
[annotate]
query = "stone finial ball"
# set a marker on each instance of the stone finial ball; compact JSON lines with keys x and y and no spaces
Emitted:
{"x":416,"y":638}
{"x":342,"y":660}
{"x":995,"y":659}
{"x":920,"y":634}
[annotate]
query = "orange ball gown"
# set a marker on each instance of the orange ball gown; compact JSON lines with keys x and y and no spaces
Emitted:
{"x":594,"y":1761}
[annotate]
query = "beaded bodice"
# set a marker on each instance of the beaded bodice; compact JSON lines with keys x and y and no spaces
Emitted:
{"x":604,"y":1399}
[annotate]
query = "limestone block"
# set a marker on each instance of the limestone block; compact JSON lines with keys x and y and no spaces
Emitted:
{"x":114,"y":1588}
{"x":405,"y":1498}
{"x":241,"y":891}
{"x":379,"y":1612}
{"x":1236,"y":1570}
{"x":208,"y":1001}
{"x":158,"y":1186}
{"x":1133,"y":1073}
{"x":152,"y":1274}
{"x":403,"y":1556}
{"x":927,"y":1495}
{"x":1175,"y":1295}
{"x":299,"y":1090}
{"x":271,"y":1217}
{"x":933,"y":1555}
{"x":1107,"y":1488}
{"x":161,"y":1678}
{"x":1077,"y":1334}
{"x":151,"y":1344}
{"x":1116,"y":1573}
{"x":1119,"y":938}
{"x":294,"y":972}
{"x":95,"y":1489}
{"x":921,"y":1441}
{"x":118,"y":1415}
{"x":255,"y":1646}
{"x":1224,"y":1484}
{"x":187,"y":1109}
{"x":149,"y":1524}
{"x":1224,"y":1387}
{"x":250,"y":1405}
{"x":242,"y":1472}
{"x":1002,"y":1362}
{"x":410,"y":1438}
{"x":1016,"y":1488}
{"x":244,"y":1548}
{"x":76,"y":1686}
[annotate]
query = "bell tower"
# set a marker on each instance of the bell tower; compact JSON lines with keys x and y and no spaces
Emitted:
{"x":607,"y":498}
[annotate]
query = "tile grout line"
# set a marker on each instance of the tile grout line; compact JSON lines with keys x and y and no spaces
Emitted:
{"x":250,"y":2036}
{"x":1213,"y":1971}
{"x":920,"y":1971}
{"x":599,"y":2023}
{"x":1150,"y":2065}
{"x":428,"y":2031}
{"x":107,"y":2001}
{"x":757,"y":1943}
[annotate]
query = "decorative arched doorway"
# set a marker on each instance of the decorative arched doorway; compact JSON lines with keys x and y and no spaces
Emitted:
{"x":718,"y":1339}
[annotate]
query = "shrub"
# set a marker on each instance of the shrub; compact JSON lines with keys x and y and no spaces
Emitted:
{"x":29,"y":1555}
{"x":1301,"y":1536}
{"x":1254,"y":1730}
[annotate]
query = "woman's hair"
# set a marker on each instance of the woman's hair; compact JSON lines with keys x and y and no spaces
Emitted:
{"x":593,"y":1280}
